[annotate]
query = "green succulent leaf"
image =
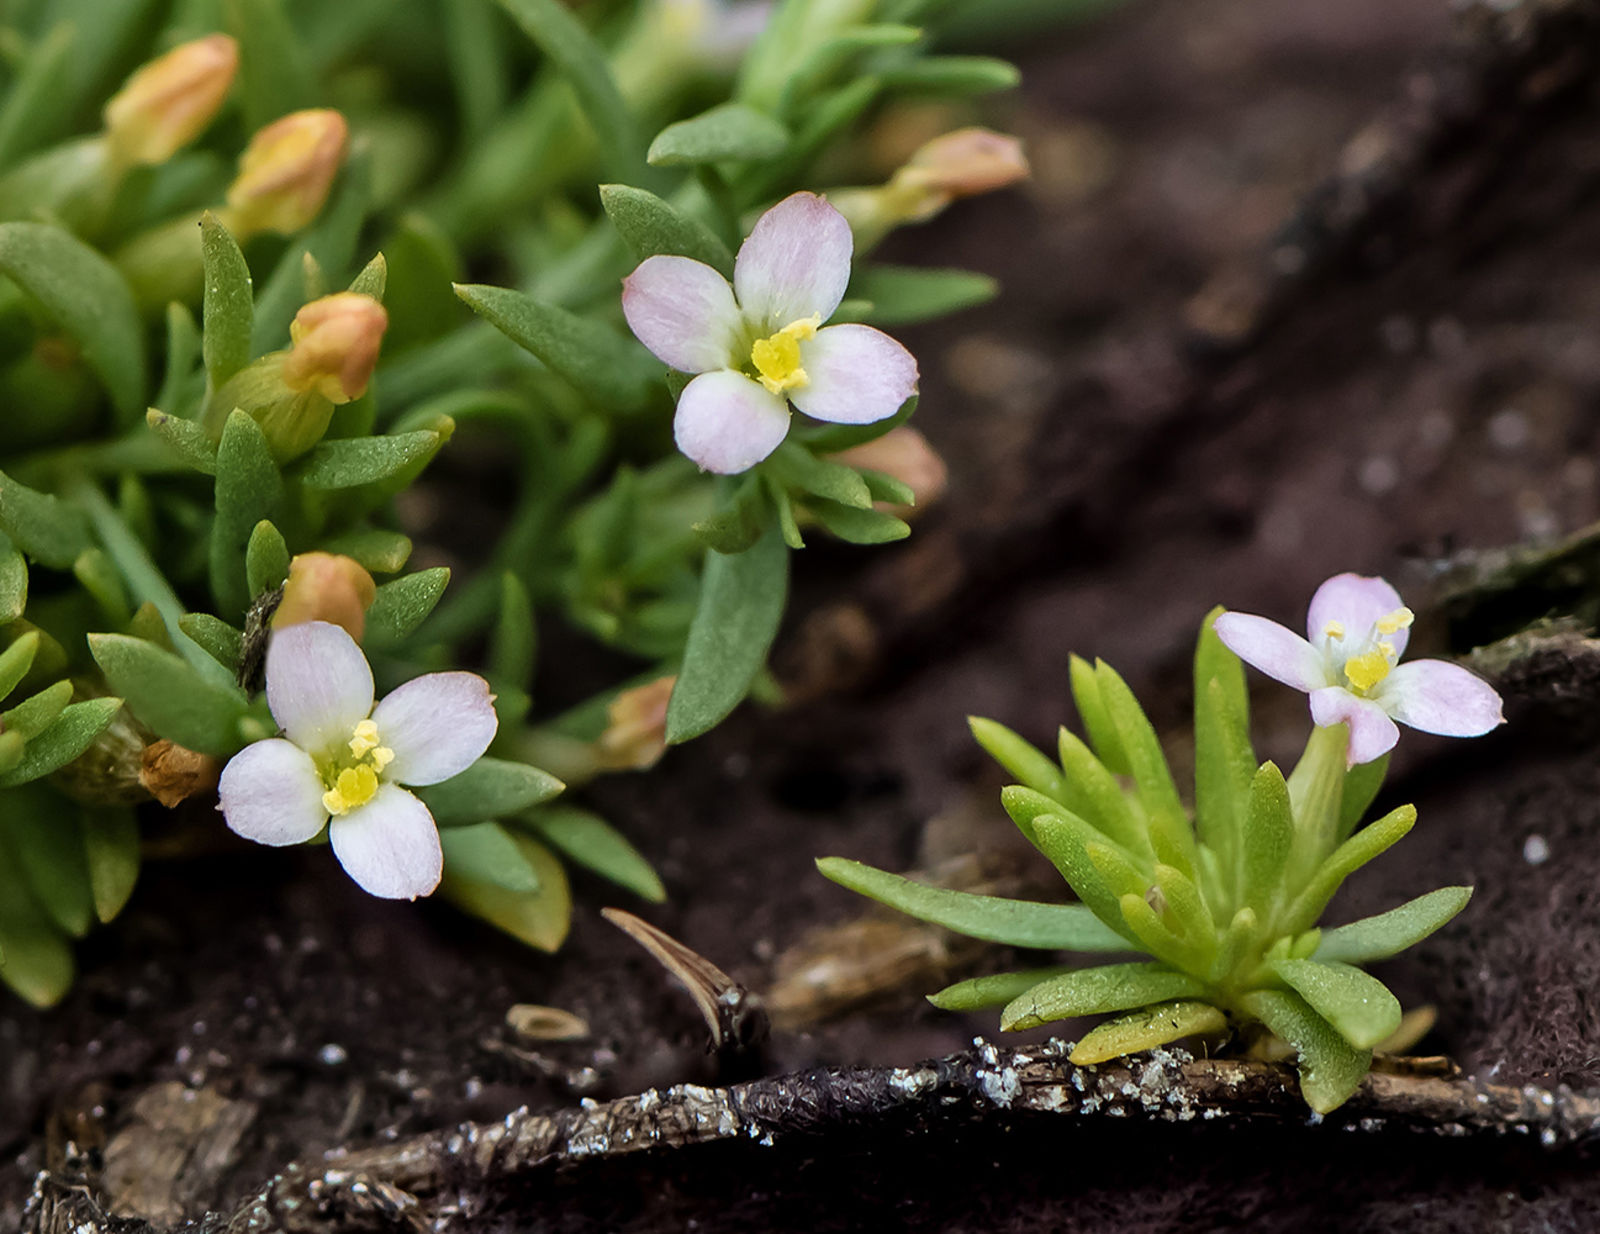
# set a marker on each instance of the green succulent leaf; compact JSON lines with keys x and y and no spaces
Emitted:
{"x":728,"y":132}
{"x":1018,"y":923}
{"x":649,"y":226}
{"x":222,"y":642}
{"x":186,"y":439}
{"x":399,"y":607}
{"x":1022,"y":759}
{"x":1171,"y":836}
{"x":1267,"y":839}
{"x":86,"y":296}
{"x":266,"y":559}
{"x":168,"y":695}
{"x":979,"y":993}
{"x":1331,"y":1069}
{"x":1064,"y":839}
{"x":72,"y":733}
{"x":856,"y":526}
{"x":1095,"y":795}
{"x":741,"y":602}
{"x":540,"y":918}
{"x":111,"y":844}
{"x":249,"y":489}
{"x":1091,"y":991}
{"x":378,"y":549}
{"x":13,"y":582}
{"x":1387,"y":934}
{"x":586,"y":839}
{"x":1371,"y":841}
{"x":36,"y":713}
{"x":1224,"y":762}
{"x":50,"y":849}
{"x":1097,"y":723}
{"x":797,"y":467}
{"x":358,"y":461}
{"x":1148,"y":1028}
{"x":489,"y":789}
{"x":905,"y":295}
{"x":35,"y":957}
{"x":513,"y":646}
{"x":16,"y":660}
{"x":1361,"y":785}
{"x":1357,"y":1004}
{"x":228,"y":308}
{"x":487,"y":853}
{"x":946,"y":76}
{"x":589,"y":354}
{"x":46,"y":528}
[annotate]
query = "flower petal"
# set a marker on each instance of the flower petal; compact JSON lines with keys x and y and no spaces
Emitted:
{"x":683,"y":311}
{"x":1355,"y":602}
{"x":437,"y":725}
{"x":795,"y":263}
{"x":1372,"y":733}
{"x":1276,"y":650}
{"x":854,"y":375}
{"x":1438,"y":697}
{"x":270,"y":793}
{"x":390,"y":846}
{"x":318,"y":684}
{"x":727,"y":423}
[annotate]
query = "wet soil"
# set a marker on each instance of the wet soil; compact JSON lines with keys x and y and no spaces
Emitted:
{"x":1114,"y":474}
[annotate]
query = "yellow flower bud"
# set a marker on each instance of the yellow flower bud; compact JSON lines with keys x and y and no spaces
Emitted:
{"x":326,"y":587}
{"x":636,"y":737}
{"x":904,"y":454}
{"x":167,"y":103}
{"x":335,"y":348}
{"x":285,"y":173}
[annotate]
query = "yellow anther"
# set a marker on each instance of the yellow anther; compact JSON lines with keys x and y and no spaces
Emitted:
{"x":777,"y":357}
{"x":355,"y":787}
{"x":1334,"y":629}
{"x":381,"y":757}
{"x":1367,"y":670}
{"x":1387,"y":649}
{"x":1400,"y":619}
{"x":365,"y":738}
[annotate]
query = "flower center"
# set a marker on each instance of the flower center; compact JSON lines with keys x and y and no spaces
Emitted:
{"x":777,"y":357}
{"x":353,"y":781}
{"x":1366,"y":669}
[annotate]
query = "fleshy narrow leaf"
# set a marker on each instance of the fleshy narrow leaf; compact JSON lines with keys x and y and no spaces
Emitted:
{"x":1064,"y":839}
{"x":222,"y":642}
{"x":1357,"y":1004}
{"x":1331,"y":1069}
{"x":491,"y":788}
{"x":1022,"y":759}
{"x":249,"y":488}
{"x":186,"y":439}
{"x":1171,"y":836}
{"x":1224,"y":762}
{"x":561,"y":36}
{"x":16,"y":660}
{"x":399,"y":607}
{"x":727,"y":132}
{"x":993,"y":991}
{"x":1387,"y":934}
{"x":46,"y":528}
{"x":1091,"y":991}
{"x":228,"y":308}
{"x":741,"y":603}
{"x":111,"y":843}
{"x":35,"y":958}
{"x":49,"y":847}
{"x":37,"y":712}
{"x":1102,"y":733}
{"x":87,"y":297}
{"x":1146,"y":1029}
{"x":266,"y":558}
{"x":1361,"y":785}
{"x":648,"y":226}
{"x":588,"y":840}
{"x":13,"y":581}
{"x":798,"y":468}
{"x":1266,"y":841}
{"x":169,"y":696}
{"x":72,"y":733}
{"x":905,"y":295}
{"x":1019,"y":923}
{"x":357,"y":461}
{"x":1093,"y":793}
{"x":589,"y":354}
{"x":1369,"y":842}
{"x":539,"y":918}
{"x":855,"y":526}
{"x":487,"y":853}
{"x":946,"y":76}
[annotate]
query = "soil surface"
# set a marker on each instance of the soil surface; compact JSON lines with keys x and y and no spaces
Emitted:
{"x":1161,"y":413}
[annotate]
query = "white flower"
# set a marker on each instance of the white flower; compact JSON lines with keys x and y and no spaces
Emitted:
{"x":760,"y":345}
{"x":341,"y":757}
{"x":1358,"y":631}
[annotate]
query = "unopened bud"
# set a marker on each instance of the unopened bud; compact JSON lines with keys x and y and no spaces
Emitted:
{"x":326,"y":587}
{"x":904,"y":454}
{"x":285,"y":173}
{"x":172,"y":773}
{"x":167,"y":104}
{"x":636,"y":737}
{"x":964,"y":163}
{"x":336,"y":342}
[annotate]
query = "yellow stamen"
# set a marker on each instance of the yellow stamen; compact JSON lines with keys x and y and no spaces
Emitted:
{"x":355,"y":787}
{"x":1366,"y":671}
{"x":365,"y":738}
{"x":777,"y":357}
{"x":381,"y":757}
{"x":1334,"y":629}
{"x":1400,"y":619}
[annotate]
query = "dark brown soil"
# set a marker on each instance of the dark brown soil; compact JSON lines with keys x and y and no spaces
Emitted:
{"x":1435,"y":389}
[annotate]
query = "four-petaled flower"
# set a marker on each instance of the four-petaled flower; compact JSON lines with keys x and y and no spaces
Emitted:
{"x":759,"y":345}
{"x":1358,"y":630}
{"x":341,"y":757}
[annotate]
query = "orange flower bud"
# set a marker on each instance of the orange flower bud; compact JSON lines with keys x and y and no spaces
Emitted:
{"x":636,"y":738}
{"x":166,"y":104}
{"x":326,"y":587}
{"x":335,"y":346}
{"x":904,"y":454}
{"x":963,"y":163}
{"x":285,"y":173}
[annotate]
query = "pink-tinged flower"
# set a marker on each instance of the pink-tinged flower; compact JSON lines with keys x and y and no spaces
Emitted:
{"x":1358,"y":630}
{"x":760,"y":344}
{"x":341,"y":757}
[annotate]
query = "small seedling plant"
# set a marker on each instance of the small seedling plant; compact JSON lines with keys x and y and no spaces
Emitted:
{"x":1223,"y":902}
